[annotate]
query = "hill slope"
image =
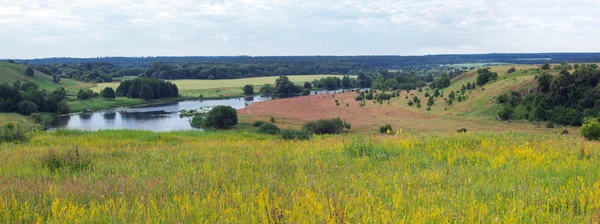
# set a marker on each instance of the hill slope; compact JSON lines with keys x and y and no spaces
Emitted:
{"x":11,"y":73}
{"x":477,"y":113}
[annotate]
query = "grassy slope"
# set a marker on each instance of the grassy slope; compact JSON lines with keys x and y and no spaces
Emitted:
{"x":16,"y":72}
{"x":223,"y":88}
{"x":197,"y":177}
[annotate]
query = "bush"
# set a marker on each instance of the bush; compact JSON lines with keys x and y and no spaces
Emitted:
{"x":462,"y":130}
{"x":42,"y":119}
{"x":27,"y":107}
{"x":386,"y":129}
{"x":198,"y":122}
{"x":72,"y":159}
{"x":564,"y":132}
{"x":590,"y":129}
{"x":258,"y":123}
{"x":11,"y":133}
{"x":287,"y":134}
{"x":324,"y":126}
{"x":268,"y":128}
{"x":550,"y":124}
{"x":222,"y":117}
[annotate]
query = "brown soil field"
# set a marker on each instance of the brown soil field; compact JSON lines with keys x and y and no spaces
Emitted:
{"x":293,"y":112}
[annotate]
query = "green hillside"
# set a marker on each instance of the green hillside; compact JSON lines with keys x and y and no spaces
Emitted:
{"x":11,"y":73}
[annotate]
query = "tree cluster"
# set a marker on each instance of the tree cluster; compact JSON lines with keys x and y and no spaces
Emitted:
{"x":28,"y":98}
{"x":147,"y":88}
{"x":564,"y":99}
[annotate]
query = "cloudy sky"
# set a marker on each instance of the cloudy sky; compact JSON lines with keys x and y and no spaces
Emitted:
{"x":91,"y":28}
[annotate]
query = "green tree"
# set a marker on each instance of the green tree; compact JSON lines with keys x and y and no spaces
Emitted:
{"x":346,"y":82}
{"x":307,"y":85}
{"x":63,"y":107}
{"x":146,"y":92}
{"x":544,"y":82}
{"x":29,"y":72}
{"x":222,"y":117}
{"x":430,"y":101}
{"x":27,"y":107}
{"x":267,"y":90}
{"x":249,"y":89}
{"x":285,"y":88}
{"x":108,"y":93}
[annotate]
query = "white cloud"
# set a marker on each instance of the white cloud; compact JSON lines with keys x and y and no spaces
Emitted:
{"x":38,"y":28}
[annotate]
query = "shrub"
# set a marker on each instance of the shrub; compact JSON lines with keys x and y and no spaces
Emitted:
{"x":268,"y":128}
{"x":258,"y":123}
{"x":590,"y":129}
{"x":462,"y":130}
{"x":324,"y":126}
{"x":198,"y":121}
{"x":272,"y":120}
{"x":564,"y":132}
{"x":43,"y":120}
{"x":386,"y":129}
{"x":222,"y":117}
{"x":72,"y":159}
{"x":11,"y":133}
{"x":550,"y":124}
{"x":288,"y":134}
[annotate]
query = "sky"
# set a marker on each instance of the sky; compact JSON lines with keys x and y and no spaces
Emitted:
{"x":98,"y":28}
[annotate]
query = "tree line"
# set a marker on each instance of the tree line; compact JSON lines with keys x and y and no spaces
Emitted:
{"x":147,"y":88}
{"x":27,"y":98}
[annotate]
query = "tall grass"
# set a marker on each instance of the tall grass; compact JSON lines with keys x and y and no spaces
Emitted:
{"x":236,"y":177}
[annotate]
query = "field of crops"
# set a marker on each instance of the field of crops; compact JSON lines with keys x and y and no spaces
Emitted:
{"x":183,"y":177}
{"x":194,"y":87}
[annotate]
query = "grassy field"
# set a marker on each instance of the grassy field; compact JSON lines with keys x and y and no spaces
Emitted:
{"x":229,"y":87}
{"x":236,"y":177}
{"x":11,"y":73}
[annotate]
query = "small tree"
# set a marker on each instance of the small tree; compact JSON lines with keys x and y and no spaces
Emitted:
{"x":590,"y":129}
{"x":29,"y":72}
{"x":146,"y":92}
{"x":63,"y":107}
{"x":249,"y":89}
{"x":108,"y":93}
{"x":222,"y":117}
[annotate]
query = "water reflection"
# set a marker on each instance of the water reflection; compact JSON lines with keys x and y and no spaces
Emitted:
{"x":162,"y":117}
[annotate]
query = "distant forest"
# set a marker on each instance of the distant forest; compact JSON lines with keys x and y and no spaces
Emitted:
{"x":103,"y":69}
